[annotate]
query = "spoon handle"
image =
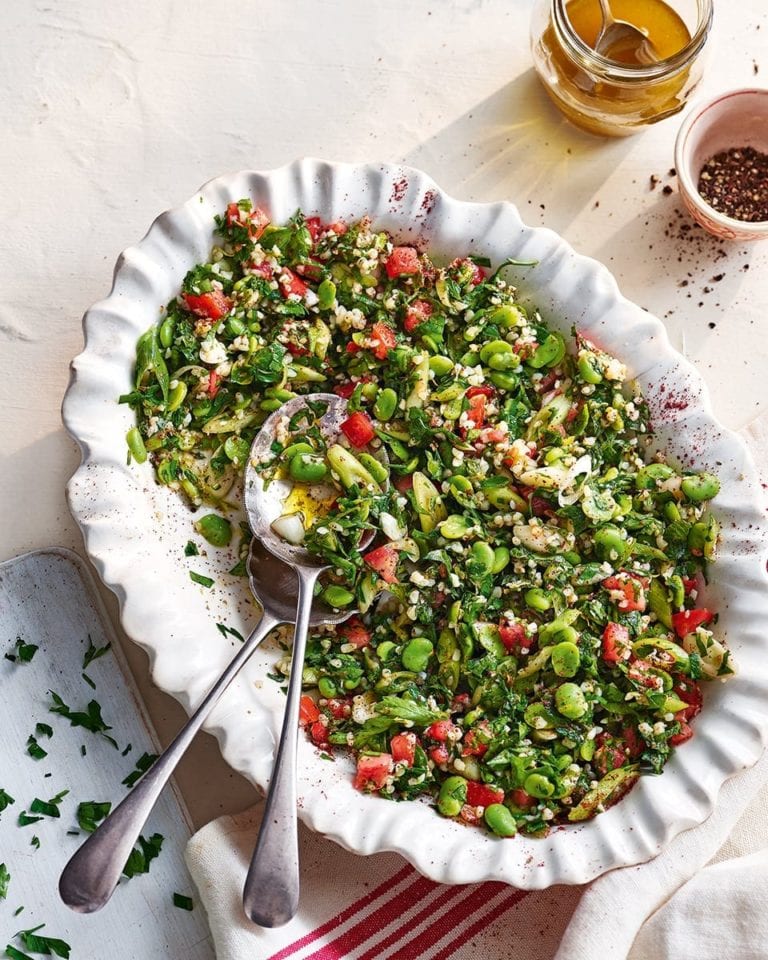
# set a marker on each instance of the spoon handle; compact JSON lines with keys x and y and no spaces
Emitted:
{"x":271,"y":892}
{"x":89,"y":879}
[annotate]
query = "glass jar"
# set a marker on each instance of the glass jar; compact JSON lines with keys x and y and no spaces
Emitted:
{"x":604,"y":96}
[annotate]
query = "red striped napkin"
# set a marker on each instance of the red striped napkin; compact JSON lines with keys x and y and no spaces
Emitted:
{"x":369,"y":908}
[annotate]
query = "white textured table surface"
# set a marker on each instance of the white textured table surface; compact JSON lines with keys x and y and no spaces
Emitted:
{"x":111,"y":113}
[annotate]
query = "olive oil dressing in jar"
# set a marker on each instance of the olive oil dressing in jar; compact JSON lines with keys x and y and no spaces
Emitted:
{"x":616,"y":92}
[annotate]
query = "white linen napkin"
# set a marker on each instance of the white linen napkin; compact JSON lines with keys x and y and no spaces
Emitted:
{"x":704,"y":896}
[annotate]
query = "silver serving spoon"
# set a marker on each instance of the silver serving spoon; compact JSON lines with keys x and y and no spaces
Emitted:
{"x":271,"y":892}
{"x":621,"y":36}
{"x":89,"y":879}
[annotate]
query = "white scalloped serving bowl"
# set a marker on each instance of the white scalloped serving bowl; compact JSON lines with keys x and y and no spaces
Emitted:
{"x":135,"y":530}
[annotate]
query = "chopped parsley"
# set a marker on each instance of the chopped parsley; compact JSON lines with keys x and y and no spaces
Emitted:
{"x":5,"y":879}
{"x":35,"y":842}
{"x":5,"y":800}
{"x":23,"y":652}
{"x":226,"y":631}
{"x":142,"y":855}
{"x":191,"y":549}
{"x":143,"y":764}
{"x":94,"y":652}
{"x":199,"y":578}
{"x":49,"y":808}
{"x":90,"y":718}
{"x":182,"y":902}
{"x":90,"y":813}
{"x":34,"y":749}
{"x":48,"y":946}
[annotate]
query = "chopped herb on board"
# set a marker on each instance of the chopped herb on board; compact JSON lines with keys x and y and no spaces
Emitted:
{"x":90,"y":813}
{"x":143,"y":764}
{"x":225,"y":631}
{"x":182,"y":902}
{"x":34,"y":749}
{"x":199,"y":578}
{"x":93,"y":653}
{"x":49,"y":808}
{"x":48,"y":946}
{"x":142,"y":855}
{"x":191,"y":549}
{"x":13,"y":954}
{"x":90,"y":718}
{"x":25,"y":820}
{"x":5,"y":879}
{"x":5,"y":800}
{"x":35,"y":842}
{"x":23,"y":652}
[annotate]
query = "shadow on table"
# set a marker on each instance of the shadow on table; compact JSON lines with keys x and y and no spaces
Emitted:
{"x":515,"y":145}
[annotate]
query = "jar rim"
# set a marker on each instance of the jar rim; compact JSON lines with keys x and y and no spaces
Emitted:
{"x":592,"y":61}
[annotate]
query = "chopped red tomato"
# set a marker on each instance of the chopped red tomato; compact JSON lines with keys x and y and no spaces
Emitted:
{"x":439,"y":754}
{"x":512,"y":635}
{"x":354,"y":632}
{"x":609,"y":754}
{"x":685,"y":733}
{"x":213,"y":305}
{"x":353,"y":347}
{"x":418,"y":312}
{"x":358,"y":429}
{"x":403,"y":747}
{"x":214,"y":382}
{"x":475,"y":742}
{"x":263,"y":269}
{"x":384,"y":561}
{"x":493,"y":435}
{"x":315,"y":227}
{"x":404,"y":482}
{"x":372,"y":772}
{"x":345,"y":390}
{"x":291,"y":285}
{"x":689,"y":691}
{"x":522,"y":799}
{"x":687,"y":621}
{"x":295,"y":350}
{"x":442,"y":730}
{"x":642,"y":672}
{"x":635,"y":743}
{"x":689,"y":584}
{"x":615,"y":643}
{"x":256,"y":220}
{"x":308,"y":710}
{"x":403,"y":261}
{"x":483,"y":794}
{"x":339,"y":709}
{"x":319,"y":734}
{"x":383,"y":339}
{"x":476,"y":410}
{"x":483,"y":391}
{"x":627,"y":590}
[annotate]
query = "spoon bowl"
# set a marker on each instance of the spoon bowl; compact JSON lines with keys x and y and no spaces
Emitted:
{"x":620,"y":36}
{"x":264,"y":504}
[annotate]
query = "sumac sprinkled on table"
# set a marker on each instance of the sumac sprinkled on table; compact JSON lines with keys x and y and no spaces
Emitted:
{"x":735,"y":183}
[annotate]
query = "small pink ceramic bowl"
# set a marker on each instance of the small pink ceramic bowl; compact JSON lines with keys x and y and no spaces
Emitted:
{"x":735,"y":119}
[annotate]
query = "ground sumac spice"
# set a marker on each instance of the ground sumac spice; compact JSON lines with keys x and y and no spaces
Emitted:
{"x":735,"y":183}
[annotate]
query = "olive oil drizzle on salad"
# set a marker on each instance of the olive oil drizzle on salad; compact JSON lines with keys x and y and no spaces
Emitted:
{"x":529,"y":641}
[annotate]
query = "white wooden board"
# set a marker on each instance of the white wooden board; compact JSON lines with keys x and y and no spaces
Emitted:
{"x":47,"y":598}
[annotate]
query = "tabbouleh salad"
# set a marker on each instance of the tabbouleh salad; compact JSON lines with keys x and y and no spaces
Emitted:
{"x":528,"y":639}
